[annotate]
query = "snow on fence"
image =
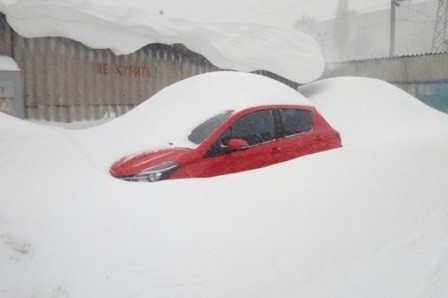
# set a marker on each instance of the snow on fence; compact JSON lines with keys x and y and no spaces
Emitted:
{"x":67,"y":81}
{"x":423,"y":76}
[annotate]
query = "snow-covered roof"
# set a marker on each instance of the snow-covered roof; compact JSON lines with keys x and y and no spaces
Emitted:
{"x":238,"y":45}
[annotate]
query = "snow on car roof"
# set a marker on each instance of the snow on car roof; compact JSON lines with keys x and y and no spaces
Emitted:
{"x":169,"y":115}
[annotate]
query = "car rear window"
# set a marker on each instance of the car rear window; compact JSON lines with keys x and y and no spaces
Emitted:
{"x":296,"y":121}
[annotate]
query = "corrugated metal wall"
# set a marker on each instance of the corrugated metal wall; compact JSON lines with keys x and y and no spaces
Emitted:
{"x":430,"y":67}
{"x":67,"y":81}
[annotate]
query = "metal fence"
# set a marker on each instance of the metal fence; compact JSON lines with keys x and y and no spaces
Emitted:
{"x":66,"y":81}
{"x":428,"y":67}
{"x":424,"y":76}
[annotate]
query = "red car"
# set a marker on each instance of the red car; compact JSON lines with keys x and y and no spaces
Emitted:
{"x":234,"y":141}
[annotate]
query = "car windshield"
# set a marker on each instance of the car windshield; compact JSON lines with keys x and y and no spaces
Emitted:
{"x":203,"y":130}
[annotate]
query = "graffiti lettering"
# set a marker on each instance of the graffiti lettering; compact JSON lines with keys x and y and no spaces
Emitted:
{"x":102,"y":69}
{"x":130,"y":70}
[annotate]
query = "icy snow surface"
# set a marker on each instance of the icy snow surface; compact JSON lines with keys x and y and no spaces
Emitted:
{"x":366,"y":220}
{"x":125,"y":28}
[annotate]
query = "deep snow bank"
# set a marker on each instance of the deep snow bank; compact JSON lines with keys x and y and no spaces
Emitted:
{"x":371,"y":111}
{"x":366,"y":220}
{"x":240,"y":46}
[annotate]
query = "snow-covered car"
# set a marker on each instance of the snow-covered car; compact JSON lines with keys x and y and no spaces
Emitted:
{"x":239,"y":138}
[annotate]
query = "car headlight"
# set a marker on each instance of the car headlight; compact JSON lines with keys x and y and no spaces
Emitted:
{"x":157,"y":173}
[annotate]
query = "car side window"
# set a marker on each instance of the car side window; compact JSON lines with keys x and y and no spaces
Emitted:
{"x":296,"y":121}
{"x":254,"y":128}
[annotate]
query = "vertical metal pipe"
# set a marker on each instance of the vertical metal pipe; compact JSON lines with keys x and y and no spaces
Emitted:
{"x":392,"y":28}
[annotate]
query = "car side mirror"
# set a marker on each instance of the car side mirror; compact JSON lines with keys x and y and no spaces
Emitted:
{"x":237,"y":144}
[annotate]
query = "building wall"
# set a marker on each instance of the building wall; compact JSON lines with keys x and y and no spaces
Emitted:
{"x":67,"y":81}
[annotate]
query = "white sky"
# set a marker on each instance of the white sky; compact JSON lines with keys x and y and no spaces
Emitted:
{"x":282,"y":12}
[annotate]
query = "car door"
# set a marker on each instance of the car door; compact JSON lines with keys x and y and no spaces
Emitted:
{"x":298,"y":134}
{"x":258,"y":129}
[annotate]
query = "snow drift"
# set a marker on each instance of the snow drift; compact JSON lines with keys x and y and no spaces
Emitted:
{"x":366,"y":220}
{"x":168,"y":117}
{"x":240,"y":46}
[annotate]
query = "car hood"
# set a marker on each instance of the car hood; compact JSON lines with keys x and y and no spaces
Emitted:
{"x":132,"y":165}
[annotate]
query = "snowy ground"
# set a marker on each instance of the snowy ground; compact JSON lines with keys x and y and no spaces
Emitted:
{"x":366,"y":220}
